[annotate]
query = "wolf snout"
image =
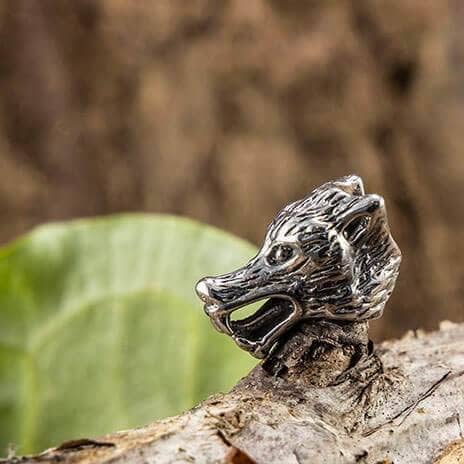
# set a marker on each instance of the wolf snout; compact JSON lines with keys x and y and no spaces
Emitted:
{"x":203,"y":289}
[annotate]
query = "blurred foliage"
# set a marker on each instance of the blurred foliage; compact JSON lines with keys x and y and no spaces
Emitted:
{"x":226,"y":110}
{"x":100,"y":328}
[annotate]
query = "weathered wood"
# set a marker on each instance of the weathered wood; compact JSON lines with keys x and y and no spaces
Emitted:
{"x":404,"y":403}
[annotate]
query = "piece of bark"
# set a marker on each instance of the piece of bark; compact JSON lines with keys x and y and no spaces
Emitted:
{"x":322,"y":397}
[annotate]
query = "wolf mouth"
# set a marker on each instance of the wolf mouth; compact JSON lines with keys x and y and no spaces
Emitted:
{"x":257,"y":332}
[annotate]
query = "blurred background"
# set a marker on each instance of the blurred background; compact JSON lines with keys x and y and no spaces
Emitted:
{"x":226,"y":110}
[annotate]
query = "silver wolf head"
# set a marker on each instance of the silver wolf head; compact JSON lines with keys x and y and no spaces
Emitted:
{"x":328,"y":256}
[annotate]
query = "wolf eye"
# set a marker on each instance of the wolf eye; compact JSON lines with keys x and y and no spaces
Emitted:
{"x":280,"y":254}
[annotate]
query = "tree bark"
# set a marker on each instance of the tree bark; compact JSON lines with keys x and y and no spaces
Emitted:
{"x":323,"y":396}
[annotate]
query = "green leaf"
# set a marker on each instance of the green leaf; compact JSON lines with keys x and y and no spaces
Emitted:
{"x":100,"y":328}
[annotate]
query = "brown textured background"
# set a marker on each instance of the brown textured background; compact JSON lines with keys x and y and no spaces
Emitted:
{"x":225,"y":110}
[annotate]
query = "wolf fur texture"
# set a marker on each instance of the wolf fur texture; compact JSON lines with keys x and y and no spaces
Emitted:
{"x":328,"y":256}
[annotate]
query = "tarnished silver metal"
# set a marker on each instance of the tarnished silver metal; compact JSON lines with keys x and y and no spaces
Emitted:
{"x":328,"y":256}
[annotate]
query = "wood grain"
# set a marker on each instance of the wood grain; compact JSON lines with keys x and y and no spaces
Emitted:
{"x":403,"y":403}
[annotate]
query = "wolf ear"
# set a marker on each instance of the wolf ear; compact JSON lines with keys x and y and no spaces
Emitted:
{"x":351,"y":184}
{"x":358,"y":219}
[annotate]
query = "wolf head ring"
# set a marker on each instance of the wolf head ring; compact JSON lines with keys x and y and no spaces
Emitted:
{"x":328,"y":256}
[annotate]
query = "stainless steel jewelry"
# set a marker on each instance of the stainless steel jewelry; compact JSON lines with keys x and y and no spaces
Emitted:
{"x":328,"y":256}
